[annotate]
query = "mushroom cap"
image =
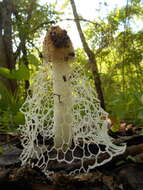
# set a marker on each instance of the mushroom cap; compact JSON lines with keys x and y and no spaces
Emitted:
{"x":57,"y":46}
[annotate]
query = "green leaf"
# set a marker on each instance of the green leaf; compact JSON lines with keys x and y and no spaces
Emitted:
{"x":19,"y":119}
{"x":33,"y":60}
{"x":131,"y":158}
{"x":5,"y":96}
{"x":1,"y":151}
{"x":22,"y":73}
{"x":65,"y":4}
{"x":140,"y":115}
{"x":115,"y":128}
{"x":5,"y":72}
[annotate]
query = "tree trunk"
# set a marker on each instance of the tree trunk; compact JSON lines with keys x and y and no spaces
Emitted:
{"x":91,"y":56}
{"x":25,"y":59}
{"x":23,"y":37}
{"x":6,"y":50}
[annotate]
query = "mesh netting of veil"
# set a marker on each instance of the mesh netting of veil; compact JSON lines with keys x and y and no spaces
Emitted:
{"x":91,"y":145}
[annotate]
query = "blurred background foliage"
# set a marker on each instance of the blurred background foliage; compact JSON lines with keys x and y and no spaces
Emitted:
{"x":117,"y":45}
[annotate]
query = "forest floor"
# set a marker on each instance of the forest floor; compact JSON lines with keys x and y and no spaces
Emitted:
{"x":124,"y":172}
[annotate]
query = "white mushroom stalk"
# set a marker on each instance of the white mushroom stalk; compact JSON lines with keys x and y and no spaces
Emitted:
{"x":58,"y":51}
{"x":64,"y":122}
{"x":63,"y":103}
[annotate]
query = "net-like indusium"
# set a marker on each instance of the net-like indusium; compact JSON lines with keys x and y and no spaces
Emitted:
{"x":65,"y":126}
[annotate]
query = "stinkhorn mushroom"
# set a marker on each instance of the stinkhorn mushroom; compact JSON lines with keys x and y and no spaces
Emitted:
{"x":64,"y":122}
{"x":58,"y":51}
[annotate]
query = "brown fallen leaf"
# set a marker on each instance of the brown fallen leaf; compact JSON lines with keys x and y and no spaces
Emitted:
{"x":139,"y":158}
{"x":44,"y":187}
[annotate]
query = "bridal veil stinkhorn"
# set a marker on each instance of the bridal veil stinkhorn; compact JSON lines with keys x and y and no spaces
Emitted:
{"x":64,"y":122}
{"x":58,"y":51}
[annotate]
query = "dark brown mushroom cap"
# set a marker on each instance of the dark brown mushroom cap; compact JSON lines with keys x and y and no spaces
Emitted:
{"x":59,"y":39}
{"x":57,"y":46}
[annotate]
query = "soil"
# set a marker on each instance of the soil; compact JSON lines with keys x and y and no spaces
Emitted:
{"x":124,"y":172}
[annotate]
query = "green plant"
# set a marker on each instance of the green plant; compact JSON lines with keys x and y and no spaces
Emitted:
{"x":10,"y":116}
